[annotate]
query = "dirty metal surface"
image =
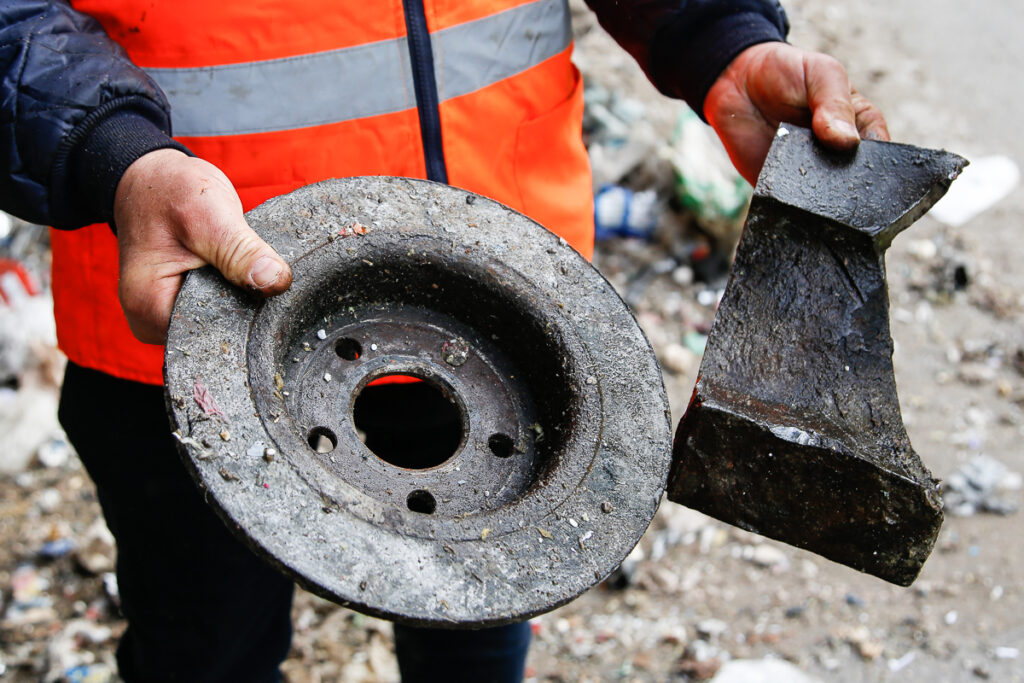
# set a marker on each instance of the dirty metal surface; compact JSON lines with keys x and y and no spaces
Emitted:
{"x":565,"y":435}
{"x":794,"y":428}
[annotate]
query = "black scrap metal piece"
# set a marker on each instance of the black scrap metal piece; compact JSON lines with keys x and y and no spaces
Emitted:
{"x":560,"y":465}
{"x":794,"y":428}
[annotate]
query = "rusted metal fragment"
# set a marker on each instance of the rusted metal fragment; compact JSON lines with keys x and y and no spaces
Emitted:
{"x":794,"y":428}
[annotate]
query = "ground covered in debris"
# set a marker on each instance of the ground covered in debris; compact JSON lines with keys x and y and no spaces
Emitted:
{"x":698,"y":600}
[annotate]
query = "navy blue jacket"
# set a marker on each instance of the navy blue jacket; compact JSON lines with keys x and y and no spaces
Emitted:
{"x":75,"y":112}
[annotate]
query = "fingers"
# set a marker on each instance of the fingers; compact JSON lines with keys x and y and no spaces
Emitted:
{"x":147,"y":303}
{"x":870,"y":121}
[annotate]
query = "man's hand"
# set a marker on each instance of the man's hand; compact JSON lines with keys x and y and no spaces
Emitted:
{"x":769,"y":83}
{"x":175,"y":213}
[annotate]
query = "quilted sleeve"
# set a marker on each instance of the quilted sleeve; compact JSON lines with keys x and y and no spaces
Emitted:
{"x":66,"y":91}
{"x":683,"y":45}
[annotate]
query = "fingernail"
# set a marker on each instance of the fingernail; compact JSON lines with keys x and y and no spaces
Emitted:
{"x":265,"y":272}
{"x":845,"y":128}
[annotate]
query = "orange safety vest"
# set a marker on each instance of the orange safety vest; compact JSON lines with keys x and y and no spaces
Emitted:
{"x":281,"y":94}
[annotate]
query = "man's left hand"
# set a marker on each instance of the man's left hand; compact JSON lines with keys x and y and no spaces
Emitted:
{"x":769,"y":83}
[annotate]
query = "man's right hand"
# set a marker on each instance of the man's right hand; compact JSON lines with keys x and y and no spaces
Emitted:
{"x":769,"y":83}
{"x":175,"y":213}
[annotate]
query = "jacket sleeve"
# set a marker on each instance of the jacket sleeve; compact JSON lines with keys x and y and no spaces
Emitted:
{"x":683,"y":45}
{"x":74,"y":114}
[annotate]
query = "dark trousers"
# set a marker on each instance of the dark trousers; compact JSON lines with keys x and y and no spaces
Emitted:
{"x":200,"y":606}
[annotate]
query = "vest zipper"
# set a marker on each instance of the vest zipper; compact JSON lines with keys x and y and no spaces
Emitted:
{"x":425,"y":86}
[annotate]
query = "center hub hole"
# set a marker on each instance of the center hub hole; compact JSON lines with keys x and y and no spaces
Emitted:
{"x":410,"y":424}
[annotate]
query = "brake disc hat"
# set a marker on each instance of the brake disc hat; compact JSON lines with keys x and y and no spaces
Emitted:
{"x":565,"y":438}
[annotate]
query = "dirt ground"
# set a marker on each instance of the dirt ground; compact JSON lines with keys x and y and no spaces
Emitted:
{"x":699,"y":593}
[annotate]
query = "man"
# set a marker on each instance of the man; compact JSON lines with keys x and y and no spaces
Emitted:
{"x":270,"y":96}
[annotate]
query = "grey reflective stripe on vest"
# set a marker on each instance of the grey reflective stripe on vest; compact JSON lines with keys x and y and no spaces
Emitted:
{"x":281,"y":94}
{"x":356,"y":82}
{"x":478,"y":53}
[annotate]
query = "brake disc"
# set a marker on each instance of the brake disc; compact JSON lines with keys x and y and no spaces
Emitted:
{"x":563,"y":435}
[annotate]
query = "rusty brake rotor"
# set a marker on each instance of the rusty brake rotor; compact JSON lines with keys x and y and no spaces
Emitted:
{"x":562,"y":438}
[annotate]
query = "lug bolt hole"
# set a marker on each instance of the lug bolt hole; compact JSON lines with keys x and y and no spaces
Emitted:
{"x":501,"y":445}
{"x":421,"y":501}
{"x":322,"y":440}
{"x":349,"y":349}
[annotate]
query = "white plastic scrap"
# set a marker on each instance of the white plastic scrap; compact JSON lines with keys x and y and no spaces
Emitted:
{"x":980,"y":186}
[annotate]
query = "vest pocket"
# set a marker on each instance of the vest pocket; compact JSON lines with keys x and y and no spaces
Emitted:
{"x":552,"y":171}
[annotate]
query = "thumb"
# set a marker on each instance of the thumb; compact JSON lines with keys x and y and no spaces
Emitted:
{"x":228,"y":244}
{"x":829,"y":99}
